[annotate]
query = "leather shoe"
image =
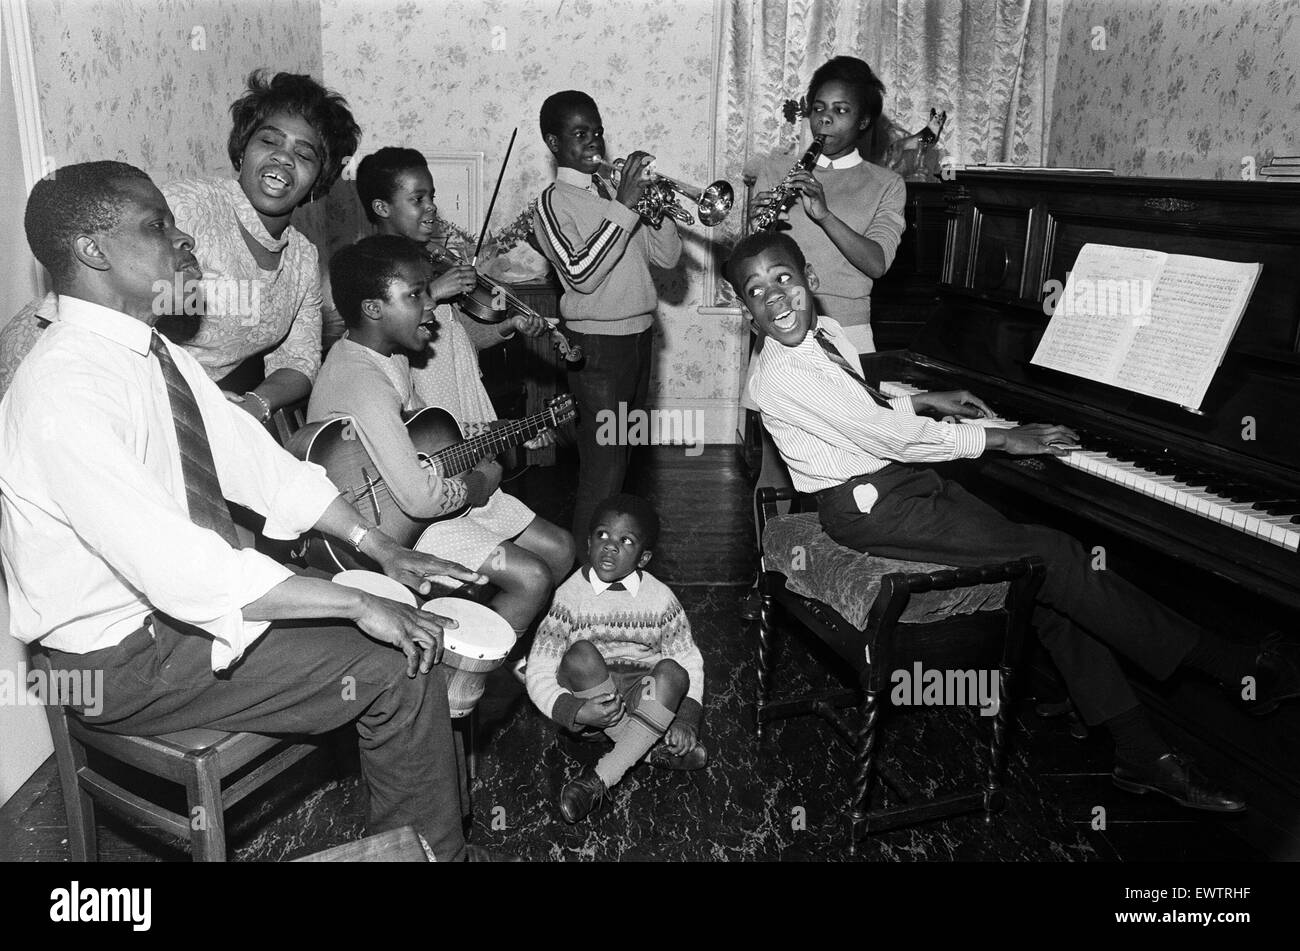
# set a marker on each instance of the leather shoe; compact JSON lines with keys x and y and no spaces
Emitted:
{"x":1277,"y":674}
{"x":1178,"y":778}
{"x":477,"y":853}
{"x":662,"y":758}
{"x":579,"y":796}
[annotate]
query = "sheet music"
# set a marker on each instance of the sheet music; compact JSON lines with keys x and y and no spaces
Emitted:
{"x":1175,"y":354}
{"x":1096,"y":314}
{"x":1153,"y":323}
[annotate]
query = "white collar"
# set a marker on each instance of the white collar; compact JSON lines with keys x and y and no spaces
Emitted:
{"x":107,"y":323}
{"x":852,"y":160}
{"x":571,"y":176}
{"x":835,"y":333}
{"x":632,"y":582}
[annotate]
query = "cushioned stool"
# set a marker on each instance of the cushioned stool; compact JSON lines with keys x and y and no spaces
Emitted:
{"x":878,"y":615}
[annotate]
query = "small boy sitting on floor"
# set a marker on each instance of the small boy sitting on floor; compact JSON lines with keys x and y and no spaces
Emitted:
{"x":615,"y":653}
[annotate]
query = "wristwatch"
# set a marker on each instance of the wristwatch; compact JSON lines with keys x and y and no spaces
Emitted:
{"x":358,"y":535}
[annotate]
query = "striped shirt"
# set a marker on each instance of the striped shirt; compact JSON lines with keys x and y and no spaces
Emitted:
{"x":828,"y":429}
{"x":602,"y":254}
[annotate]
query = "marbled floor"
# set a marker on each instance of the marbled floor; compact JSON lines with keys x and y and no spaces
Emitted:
{"x":781,"y":802}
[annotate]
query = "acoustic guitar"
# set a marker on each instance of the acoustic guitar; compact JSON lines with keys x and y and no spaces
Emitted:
{"x":442,"y":448}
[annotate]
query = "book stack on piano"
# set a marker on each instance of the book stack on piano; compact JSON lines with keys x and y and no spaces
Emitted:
{"x":1282,"y":168}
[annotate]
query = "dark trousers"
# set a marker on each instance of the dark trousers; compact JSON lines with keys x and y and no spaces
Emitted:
{"x":299,"y":677}
{"x":616,"y":371}
{"x":1082,"y":614}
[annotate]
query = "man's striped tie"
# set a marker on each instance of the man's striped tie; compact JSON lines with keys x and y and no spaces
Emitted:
{"x":838,"y":359}
{"x":203,"y":496}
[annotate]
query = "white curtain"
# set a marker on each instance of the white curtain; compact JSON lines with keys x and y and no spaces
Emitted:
{"x":989,"y":63}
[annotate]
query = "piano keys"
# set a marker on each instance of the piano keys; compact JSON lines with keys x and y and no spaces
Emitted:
{"x":1217,"y":490}
{"x":1217,"y":496}
{"x":1200,"y":509}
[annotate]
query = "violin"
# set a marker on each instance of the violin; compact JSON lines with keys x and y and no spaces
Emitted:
{"x":491,"y":302}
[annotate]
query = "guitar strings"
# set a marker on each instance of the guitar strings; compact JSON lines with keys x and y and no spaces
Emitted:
{"x":452,"y":455}
{"x":462,"y":452}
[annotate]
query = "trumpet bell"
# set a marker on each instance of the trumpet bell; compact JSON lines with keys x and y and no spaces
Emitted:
{"x":714,"y":203}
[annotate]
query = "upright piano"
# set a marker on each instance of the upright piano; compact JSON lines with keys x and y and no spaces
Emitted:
{"x":1196,"y":504}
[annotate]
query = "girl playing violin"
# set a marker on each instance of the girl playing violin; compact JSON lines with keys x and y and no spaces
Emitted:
{"x":397,"y":195}
{"x":849,"y":217}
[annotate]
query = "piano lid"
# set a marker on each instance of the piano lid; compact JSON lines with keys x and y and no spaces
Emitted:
{"x":1009,"y":235}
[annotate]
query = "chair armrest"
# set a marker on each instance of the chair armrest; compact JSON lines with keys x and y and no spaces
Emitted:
{"x":287,"y":420}
{"x":769,"y":495}
{"x":950,"y":578}
{"x":1025,"y":576}
{"x":766,"y":500}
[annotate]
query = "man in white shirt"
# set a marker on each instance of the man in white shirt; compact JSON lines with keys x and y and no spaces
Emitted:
{"x":116,"y":456}
{"x":866,"y":459}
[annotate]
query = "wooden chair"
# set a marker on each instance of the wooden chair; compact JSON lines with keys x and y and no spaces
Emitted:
{"x":287,"y":420}
{"x":200,"y":760}
{"x":886,"y":641}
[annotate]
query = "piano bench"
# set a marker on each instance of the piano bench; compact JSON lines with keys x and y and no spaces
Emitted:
{"x":880,"y":615}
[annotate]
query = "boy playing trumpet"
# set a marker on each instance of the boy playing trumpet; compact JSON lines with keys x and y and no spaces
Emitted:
{"x":602,"y":254}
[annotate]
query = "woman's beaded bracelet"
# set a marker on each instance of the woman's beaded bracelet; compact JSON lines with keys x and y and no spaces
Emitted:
{"x":266,"y":407}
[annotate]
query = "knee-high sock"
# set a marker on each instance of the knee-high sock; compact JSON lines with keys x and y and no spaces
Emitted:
{"x":633,"y":735}
{"x":604,"y":688}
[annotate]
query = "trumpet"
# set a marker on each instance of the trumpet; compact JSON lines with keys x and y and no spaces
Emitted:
{"x":783,"y":195}
{"x":660,"y":198}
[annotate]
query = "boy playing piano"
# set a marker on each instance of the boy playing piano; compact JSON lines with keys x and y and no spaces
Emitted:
{"x":867,"y":461}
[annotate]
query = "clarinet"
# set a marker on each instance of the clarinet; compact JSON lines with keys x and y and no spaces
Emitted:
{"x":783,"y":195}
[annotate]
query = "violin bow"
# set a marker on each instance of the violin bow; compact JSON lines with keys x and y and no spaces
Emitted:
{"x":491,"y":204}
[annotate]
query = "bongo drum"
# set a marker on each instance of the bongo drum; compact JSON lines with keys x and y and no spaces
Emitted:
{"x":372,"y":582}
{"x":472,"y":650}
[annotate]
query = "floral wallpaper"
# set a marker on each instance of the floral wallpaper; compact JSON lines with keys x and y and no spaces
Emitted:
{"x":150,"y":82}
{"x":459,"y":75}
{"x":1181,"y":89}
